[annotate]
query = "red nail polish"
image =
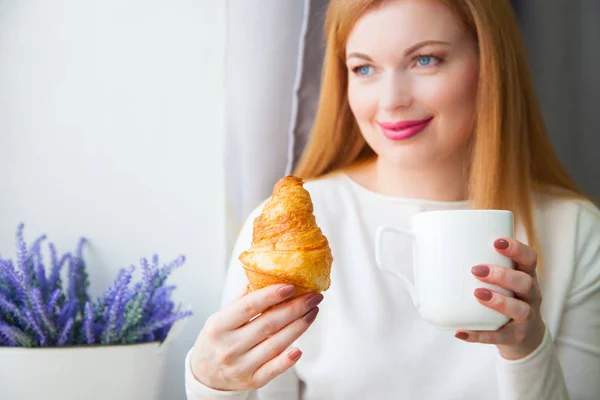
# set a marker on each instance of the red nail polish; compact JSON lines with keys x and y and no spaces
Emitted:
{"x":310,"y":316}
{"x":286,"y":291}
{"x":483,"y":294}
{"x":501,"y":244}
{"x":462,"y":336}
{"x":480,"y":270}
{"x":295,"y":354}
{"x":314,"y":300}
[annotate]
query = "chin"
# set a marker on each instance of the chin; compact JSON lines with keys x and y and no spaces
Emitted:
{"x":407,"y":160}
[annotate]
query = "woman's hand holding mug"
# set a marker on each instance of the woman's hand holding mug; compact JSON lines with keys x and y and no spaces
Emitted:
{"x":469,"y":281}
{"x":245,"y":345}
{"x":525,"y":332}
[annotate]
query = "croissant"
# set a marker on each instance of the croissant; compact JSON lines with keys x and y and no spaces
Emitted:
{"x":287,"y":245}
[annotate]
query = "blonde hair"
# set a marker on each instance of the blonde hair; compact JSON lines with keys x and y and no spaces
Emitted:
{"x":512,"y":155}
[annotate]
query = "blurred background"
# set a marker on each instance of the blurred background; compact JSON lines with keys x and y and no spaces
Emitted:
{"x":155,"y":127}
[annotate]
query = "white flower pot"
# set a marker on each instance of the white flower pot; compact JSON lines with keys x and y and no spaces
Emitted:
{"x":130,"y":372}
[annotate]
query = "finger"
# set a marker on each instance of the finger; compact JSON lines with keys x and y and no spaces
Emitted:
{"x":272,"y":321}
{"x":241,"y":293}
{"x":502,"y":336}
{"x":249,"y":306}
{"x":276,"y":344}
{"x":276,"y":367}
{"x":515,"y":309}
{"x":518,"y":282}
{"x":524,"y":256}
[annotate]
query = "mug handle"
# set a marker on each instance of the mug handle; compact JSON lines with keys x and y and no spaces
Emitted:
{"x":410,"y":287}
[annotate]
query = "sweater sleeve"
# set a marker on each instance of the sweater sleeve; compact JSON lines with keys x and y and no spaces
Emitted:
{"x":284,"y":386}
{"x":569,"y":367}
{"x":537,"y":376}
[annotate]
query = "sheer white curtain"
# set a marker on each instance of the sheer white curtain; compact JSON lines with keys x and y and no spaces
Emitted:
{"x":273,"y":66}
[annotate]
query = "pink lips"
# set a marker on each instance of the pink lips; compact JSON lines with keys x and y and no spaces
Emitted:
{"x":404,"y":129}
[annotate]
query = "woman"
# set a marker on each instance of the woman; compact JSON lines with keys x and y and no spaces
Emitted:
{"x":425,"y":105}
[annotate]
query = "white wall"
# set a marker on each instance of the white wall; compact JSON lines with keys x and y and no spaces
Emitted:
{"x":110,"y":127}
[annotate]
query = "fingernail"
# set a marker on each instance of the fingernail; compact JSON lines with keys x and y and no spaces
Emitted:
{"x":501,"y":244}
{"x":483,"y":294}
{"x":462,"y":336}
{"x":314,"y":300}
{"x":310,"y":316}
{"x":480,"y":270}
{"x":295,"y":355}
{"x":286,"y":291}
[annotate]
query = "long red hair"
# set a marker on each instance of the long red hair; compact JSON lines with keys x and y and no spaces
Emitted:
{"x":512,"y":155}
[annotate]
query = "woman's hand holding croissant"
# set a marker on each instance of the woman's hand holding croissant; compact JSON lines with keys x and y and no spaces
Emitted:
{"x":236,"y":350}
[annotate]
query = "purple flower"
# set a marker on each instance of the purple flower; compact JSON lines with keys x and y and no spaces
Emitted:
{"x":88,"y":323}
{"x":43,"y":340}
{"x":41,"y":275}
{"x":31,"y":263}
{"x":78,"y":282}
{"x":15,"y":281}
{"x":67,"y":312}
{"x":117,"y":307}
{"x":53,"y":300}
{"x":54,"y":280}
{"x":79,"y":251}
{"x":64,"y":334}
{"x":22,"y":253}
{"x":157,"y":325}
{"x":37,"y":309}
{"x":168,"y":268}
{"x":40,"y":313}
{"x":142,"y":294}
{"x":108,"y":297}
{"x":13,"y":336}
{"x":10,"y":308}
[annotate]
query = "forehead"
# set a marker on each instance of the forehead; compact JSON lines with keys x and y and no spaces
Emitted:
{"x":401,"y":23}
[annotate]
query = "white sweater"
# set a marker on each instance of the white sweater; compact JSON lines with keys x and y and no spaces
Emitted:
{"x":369,"y":341}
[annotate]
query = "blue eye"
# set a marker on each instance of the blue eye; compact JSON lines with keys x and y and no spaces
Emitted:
{"x":363,"y":70}
{"x":425,"y":61}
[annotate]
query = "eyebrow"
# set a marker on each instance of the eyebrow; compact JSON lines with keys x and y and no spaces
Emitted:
{"x":407,"y":52}
{"x":417,"y":46}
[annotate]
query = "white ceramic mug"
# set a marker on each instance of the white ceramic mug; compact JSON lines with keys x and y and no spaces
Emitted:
{"x":446,"y":245}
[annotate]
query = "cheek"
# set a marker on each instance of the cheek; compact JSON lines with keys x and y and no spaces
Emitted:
{"x":464,"y":91}
{"x":362,"y":102}
{"x":454,"y":98}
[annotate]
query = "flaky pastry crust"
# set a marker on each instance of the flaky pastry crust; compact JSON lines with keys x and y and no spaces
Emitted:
{"x":287,"y":245}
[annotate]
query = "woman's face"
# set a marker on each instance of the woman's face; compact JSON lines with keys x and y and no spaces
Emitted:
{"x":412,"y":82}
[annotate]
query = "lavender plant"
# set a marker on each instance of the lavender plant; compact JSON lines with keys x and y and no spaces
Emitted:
{"x":38,"y":309}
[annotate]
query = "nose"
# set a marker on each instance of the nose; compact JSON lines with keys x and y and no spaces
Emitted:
{"x":395,"y":93}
